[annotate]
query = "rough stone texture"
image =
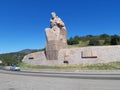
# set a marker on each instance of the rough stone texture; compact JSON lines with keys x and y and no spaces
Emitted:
{"x":88,"y":54}
{"x":38,"y":58}
{"x":35,"y":58}
{"x":101,"y":54}
{"x":56,"y":37}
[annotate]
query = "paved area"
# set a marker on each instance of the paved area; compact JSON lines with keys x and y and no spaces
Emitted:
{"x":20,"y":82}
{"x":72,"y":70}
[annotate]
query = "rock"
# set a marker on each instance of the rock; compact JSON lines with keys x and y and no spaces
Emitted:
{"x":56,"y":37}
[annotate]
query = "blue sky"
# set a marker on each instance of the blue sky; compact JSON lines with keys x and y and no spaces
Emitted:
{"x":22,"y":22}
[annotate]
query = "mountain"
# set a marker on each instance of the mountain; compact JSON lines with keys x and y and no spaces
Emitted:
{"x":28,"y":51}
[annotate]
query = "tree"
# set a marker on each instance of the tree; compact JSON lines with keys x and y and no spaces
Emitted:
{"x":107,"y":41}
{"x":86,"y":38}
{"x":72,"y":41}
{"x":93,"y":42}
{"x":115,"y":40}
{"x":77,"y":38}
{"x":104,"y":36}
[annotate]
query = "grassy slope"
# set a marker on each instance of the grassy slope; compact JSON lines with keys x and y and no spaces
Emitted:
{"x":107,"y":66}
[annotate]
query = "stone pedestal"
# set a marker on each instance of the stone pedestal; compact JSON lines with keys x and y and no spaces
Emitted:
{"x":52,"y":49}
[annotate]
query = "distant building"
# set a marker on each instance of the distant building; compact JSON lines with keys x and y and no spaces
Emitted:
{"x":0,"y":61}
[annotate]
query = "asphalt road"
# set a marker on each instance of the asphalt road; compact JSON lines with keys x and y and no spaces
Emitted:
{"x":59,"y":81}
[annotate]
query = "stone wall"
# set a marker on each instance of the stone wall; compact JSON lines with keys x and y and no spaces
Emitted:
{"x":90,"y":55}
{"x":83,"y":55}
{"x":38,"y":58}
{"x":34,"y":58}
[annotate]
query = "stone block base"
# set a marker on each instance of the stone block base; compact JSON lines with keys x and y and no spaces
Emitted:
{"x":52,"y":49}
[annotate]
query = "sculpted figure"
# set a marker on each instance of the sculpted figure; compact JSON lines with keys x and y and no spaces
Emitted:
{"x":56,"y":21}
{"x":57,"y":29}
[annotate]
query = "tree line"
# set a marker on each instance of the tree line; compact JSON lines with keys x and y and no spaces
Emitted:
{"x":103,"y":39}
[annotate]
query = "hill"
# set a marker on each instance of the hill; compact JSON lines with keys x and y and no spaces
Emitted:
{"x":16,"y":57}
{"x":91,"y":40}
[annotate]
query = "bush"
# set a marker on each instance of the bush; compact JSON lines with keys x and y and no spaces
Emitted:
{"x":115,"y":40}
{"x":93,"y":42}
{"x":107,"y":41}
{"x":72,"y":41}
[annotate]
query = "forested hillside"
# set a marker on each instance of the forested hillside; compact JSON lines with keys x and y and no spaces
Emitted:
{"x":15,"y":57}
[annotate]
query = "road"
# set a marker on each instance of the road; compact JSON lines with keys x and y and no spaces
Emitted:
{"x":58,"y":81}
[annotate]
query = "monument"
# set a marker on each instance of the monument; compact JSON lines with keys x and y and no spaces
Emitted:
{"x":57,"y":53}
{"x":56,"y":37}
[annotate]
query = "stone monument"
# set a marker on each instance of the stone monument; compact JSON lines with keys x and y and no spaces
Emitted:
{"x":56,"y":53}
{"x":56,"y":37}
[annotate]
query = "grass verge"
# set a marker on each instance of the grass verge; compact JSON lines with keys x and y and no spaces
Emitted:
{"x":105,"y":66}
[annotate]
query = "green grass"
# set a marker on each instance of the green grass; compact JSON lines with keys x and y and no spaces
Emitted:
{"x":81,"y":44}
{"x":107,"y":66}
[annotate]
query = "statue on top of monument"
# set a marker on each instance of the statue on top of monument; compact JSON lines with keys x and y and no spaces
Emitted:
{"x":57,"y":29}
{"x":56,"y":21}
